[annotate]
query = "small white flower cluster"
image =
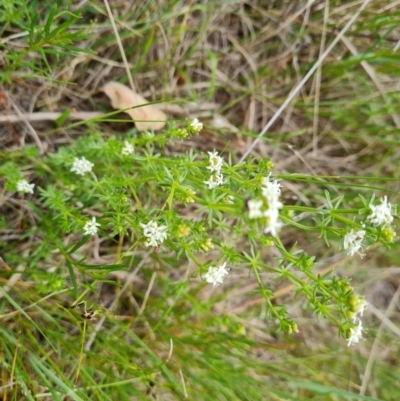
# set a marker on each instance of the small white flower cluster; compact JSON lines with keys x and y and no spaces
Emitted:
{"x":356,"y":333}
{"x":127,"y":149}
{"x":196,"y":125}
{"x":81,"y":166}
{"x":352,"y":242}
{"x":189,"y":196}
{"x":215,"y":275}
{"x":381,"y":214}
{"x":215,"y":166}
{"x":229,"y":200}
{"x":358,"y":306}
{"x":207,"y":245}
{"x":24,"y":186}
{"x":90,"y":228}
{"x":193,"y":127}
{"x":153,"y":233}
{"x":271,"y":192}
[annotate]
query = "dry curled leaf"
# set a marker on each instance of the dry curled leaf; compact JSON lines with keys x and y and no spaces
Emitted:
{"x":146,"y":117}
{"x":219,"y":121}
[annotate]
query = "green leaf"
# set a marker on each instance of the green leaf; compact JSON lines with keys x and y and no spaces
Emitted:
{"x":63,"y":117}
{"x":49,"y":21}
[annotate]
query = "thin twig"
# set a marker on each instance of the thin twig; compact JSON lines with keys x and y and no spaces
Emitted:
{"x":50,"y":116}
{"x":383,"y":317}
{"x":34,"y":134}
{"x":297,"y":89}
{"x":371,"y":73}
{"x":88,"y":115}
{"x":185,"y":394}
{"x":374,"y":349}
{"x":121,"y":48}
{"x":318,"y":82}
{"x":81,"y":355}
{"x":146,"y":296}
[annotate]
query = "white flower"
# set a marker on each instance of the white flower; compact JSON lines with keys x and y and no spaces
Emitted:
{"x":271,"y":191}
{"x":90,"y":228}
{"x":127,"y":149}
{"x":215,"y":166}
{"x":357,"y":306}
{"x":207,"y":245}
{"x":352,"y":242}
{"x":215,"y":161}
{"x":255,"y":209}
{"x":153,"y":233}
{"x":229,"y":200}
{"x":360,"y":307}
{"x":381,"y":214}
{"x":148,"y":134}
{"x":196,"y":125}
{"x":81,"y":166}
{"x":355,"y":334}
{"x":24,"y":186}
{"x":215,"y":275}
{"x":274,"y":202}
{"x":267,"y":182}
{"x":215,"y":180}
{"x":273,"y":223}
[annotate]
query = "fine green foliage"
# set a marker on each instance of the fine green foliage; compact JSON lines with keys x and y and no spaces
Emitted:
{"x":148,"y":265}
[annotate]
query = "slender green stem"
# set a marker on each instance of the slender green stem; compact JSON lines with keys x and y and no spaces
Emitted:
{"x":81,"y":354}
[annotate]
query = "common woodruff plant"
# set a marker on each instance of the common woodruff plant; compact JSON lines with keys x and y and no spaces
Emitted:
{"x":196,"y":207}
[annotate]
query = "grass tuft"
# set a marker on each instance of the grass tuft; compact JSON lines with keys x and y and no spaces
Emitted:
{"x":110,"y":317}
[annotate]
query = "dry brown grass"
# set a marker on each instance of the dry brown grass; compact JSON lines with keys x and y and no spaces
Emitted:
{"x":239,"y":61}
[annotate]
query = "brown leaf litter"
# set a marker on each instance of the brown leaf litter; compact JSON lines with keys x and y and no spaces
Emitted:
{"x":146,"y":117}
